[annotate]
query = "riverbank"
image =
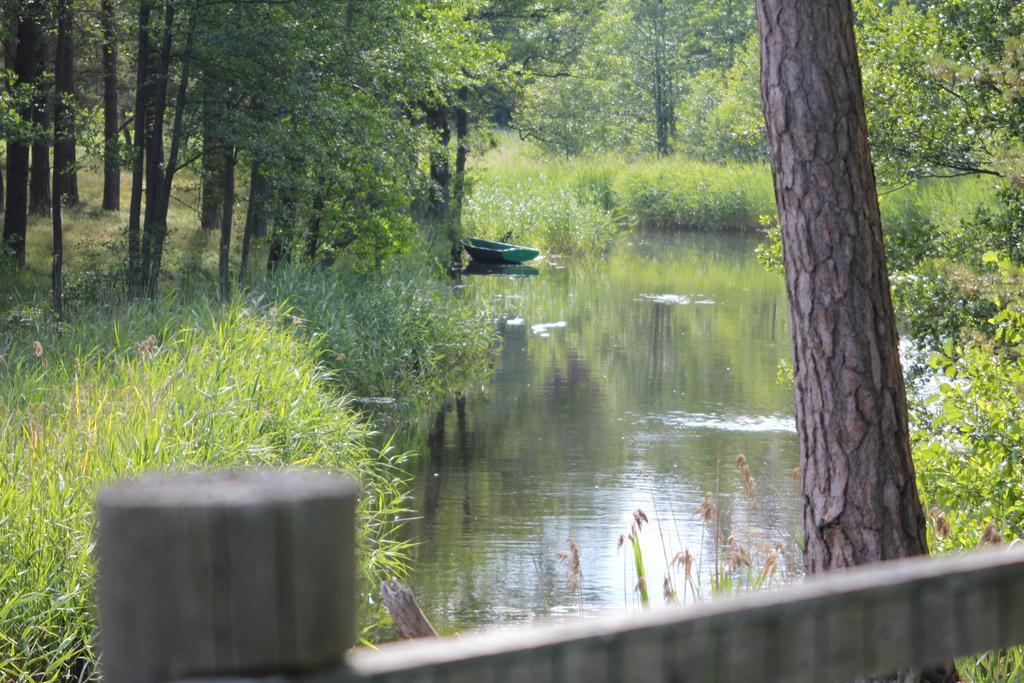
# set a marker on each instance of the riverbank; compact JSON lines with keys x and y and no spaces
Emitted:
{"x":300,"y":371}
{"x":576,"y":206}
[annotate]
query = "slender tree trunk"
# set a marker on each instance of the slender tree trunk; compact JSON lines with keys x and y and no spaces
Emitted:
{"x":227,"y":217}
{"x":61,"y":128}
{"x":212,"y":174}
{"x":136,"y":276}
{"x":69,"y":178}
{"x":16,"y":201}
{"x":39,"y":178}
{"x":111,"y":113}
{"x":440,"y":171}
{"x":860,"y":498}
{"x":313,"y":235}
{"x":459,"y":182}
{"x":153,"y":227}
{"x":177,"y":136}
{"x":253,"y":214}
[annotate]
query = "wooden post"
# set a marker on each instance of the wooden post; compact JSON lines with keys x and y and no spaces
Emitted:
{"x":224,"y":575}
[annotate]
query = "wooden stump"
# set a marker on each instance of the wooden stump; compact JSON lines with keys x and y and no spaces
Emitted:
{"x":225,"y":574}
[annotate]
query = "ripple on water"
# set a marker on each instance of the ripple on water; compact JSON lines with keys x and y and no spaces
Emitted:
{"x":544,"y":329}
{"x":678,"y":420}
{"x":674,"y":299}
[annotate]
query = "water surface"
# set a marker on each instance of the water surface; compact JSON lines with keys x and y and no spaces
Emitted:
{"x":624,"y":384}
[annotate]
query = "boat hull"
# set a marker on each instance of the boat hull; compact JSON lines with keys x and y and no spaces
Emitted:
{"x":485,"y":251}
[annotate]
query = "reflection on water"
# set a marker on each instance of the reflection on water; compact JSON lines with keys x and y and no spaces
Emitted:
{"x":629,"y":383}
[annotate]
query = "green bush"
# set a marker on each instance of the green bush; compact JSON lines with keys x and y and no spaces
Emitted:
{"x":969,"y":436}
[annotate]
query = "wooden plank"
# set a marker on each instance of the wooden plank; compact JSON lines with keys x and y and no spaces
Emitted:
{"x":690,"y":653}
{"x":889,"y":634}
{"x":872,"y":607}
{"x":792,"y":648}
{"x":225,"y":574}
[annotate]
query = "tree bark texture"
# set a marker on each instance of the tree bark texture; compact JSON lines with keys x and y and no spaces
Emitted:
{"x":111,"y":112}
{"x":16,"y":200}
{"x":860,"y":499}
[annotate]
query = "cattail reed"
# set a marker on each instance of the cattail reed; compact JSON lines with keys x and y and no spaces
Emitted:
{"x":992,"y":535}
{"x":939,"y":522}
{"x":574,"y":580}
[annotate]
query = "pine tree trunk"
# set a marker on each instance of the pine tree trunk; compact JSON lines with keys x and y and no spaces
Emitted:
{"x":860,"y":497}
{"x":111,"y":113}
{"x":16,"y":200}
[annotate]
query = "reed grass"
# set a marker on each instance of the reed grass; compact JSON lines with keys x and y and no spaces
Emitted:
{"x":576,"y":205}
{"x":188,"y":383}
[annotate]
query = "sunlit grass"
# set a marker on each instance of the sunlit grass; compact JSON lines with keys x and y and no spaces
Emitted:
{"x":186,"y":382}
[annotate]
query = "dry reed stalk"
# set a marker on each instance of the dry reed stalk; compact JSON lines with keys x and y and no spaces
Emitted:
{"x":574,"y":581}
{"x":992,"y":535}
{"x":939,"y":521}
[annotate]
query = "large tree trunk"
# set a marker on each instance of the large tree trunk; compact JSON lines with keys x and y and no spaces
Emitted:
{"x":39,"y":178}
{"x":861,"y":503}
{"x":111,"y":113}
{"x":69,"y":178}
{"x":860,"y":498}
{"x":16,"y":201}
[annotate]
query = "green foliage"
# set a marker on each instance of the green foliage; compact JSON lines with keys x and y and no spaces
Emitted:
{"x":939,"y":85}
{"x":627,"y":87}
{"x":970,"y":441}
{"x":720,"y":118}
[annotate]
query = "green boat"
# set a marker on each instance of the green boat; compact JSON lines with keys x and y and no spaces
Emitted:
{"x":486,"y":251}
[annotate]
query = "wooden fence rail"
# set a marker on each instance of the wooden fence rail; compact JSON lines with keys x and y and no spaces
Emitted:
{"x":246,"y":578}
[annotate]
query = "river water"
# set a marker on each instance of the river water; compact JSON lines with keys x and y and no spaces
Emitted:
{"x":627,"y":384}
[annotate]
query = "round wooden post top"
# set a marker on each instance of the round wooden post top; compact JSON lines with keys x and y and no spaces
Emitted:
{"x":231,"y":573}
{"x":226,"y":489}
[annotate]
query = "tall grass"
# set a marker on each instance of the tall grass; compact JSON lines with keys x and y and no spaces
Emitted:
{"x":186,"y":384}
{"x":575,"y":205}
{"x":395,"y":337}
